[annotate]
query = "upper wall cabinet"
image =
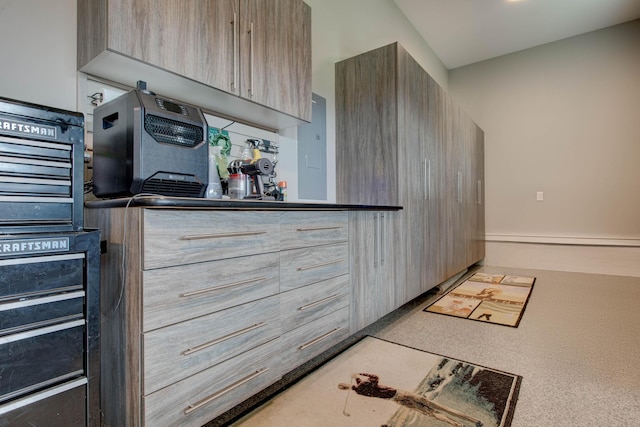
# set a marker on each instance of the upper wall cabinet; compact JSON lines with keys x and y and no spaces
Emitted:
{"x":248,"y":59}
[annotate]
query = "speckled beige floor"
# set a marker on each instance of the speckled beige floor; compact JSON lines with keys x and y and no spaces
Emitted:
{"x":577,"y":348}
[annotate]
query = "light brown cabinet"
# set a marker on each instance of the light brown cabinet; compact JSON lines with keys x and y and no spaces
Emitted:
{"x":315,"y":284}
{"x":376,"y":267}
{"x":187,"y":295}
{"x":203,"y":51}
{"x":202,"y":308}
{"x":401,"y":140}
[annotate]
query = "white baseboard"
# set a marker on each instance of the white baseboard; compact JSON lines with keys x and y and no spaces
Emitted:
{"x":565,"y":240}
{"x":613,"y":259}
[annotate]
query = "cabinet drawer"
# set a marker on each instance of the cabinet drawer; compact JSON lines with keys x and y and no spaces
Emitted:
{"x":303,"y":305}
{"x":177,"y":237}
{"x":174,"y":294}
{"x":299,"y":267}
{"x":306,"y":342}
{"x":201,"y":397}
{"x":183,"y":349}
{"x":303,"y":229}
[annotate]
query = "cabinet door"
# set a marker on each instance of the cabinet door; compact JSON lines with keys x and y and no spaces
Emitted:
{"x":414,"y":183}
{"x":275,"y":49}
{"x":437,"y":196}
{"x":367,"y":129}
{"x":372,"y":247}
{"x":475,"y":212}
{"x":455,"y":171}
{"x":192,"y":38}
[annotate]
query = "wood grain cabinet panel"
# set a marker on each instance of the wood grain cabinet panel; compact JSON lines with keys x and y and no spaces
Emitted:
{"x":192,"y":38}
{"x":302,"y":344}
{"x":300,"y":267}
{"x":201,"y":397}
{"x":212,"y":286}
{"x":375,"y":245}
{"x":178,"y":237}
{"x":202,"y":309}
{"x":199,"y":343}
{"x":304,"y":229}
{"x":401,"y":140}
{"x":303,"y":305}
{"x":275,"y":55}
{"x":256,"y":50}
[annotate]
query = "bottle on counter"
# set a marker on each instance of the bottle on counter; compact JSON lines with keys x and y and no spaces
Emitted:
{"x":282,"y":188}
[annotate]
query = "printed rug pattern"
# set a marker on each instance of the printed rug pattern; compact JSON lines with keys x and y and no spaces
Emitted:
{"x":380,"y":383}
{"x":492,"y":298}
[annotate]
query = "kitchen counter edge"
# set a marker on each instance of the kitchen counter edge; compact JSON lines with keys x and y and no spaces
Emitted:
{"x":226,"y":204}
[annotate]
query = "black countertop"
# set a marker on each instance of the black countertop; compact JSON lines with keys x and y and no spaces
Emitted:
{"x":226,"y":204}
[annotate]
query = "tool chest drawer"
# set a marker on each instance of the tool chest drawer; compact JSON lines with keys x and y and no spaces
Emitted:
{"x":308,"y":303}
{"x":41,"y":275}
{"x":179,"y":237}
{"x":197,"y":399}
{"x":54,"y":354}
{"x":210,"y":286}
{"x":307,"y":341}
{"x":303,"y":229}
{"x":186,"y":348}
{"x":300,"y":267}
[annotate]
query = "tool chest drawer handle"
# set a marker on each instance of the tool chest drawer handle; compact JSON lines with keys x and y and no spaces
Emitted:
{"x":336,"y":227}
{"x":224,"y":391}
{"x":40,"y":331}
{"x":222,"y":235}
{"x":218,"y":288}
{"x":38,"y":259}
{"x":324,"y":264}
{"x":224,"y":338}
{"x":320,"y":338}
{"x":321,"y":301}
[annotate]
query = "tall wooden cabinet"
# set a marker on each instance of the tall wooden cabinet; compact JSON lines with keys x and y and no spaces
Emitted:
{"x":257,"y":50}
{"x":400,"y":139}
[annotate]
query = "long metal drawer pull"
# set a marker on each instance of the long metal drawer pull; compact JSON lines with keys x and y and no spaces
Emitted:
{"x":32,"y":143}
{"x":224,"y":391}
{"x":32,"y":398}
{"x":319,"y":302}
{"x":320,"y":338}
{"x":41,"y":331}
{"x":218,"y":288}
{"x":36,"y":259}
{"x":34,"y":162}
{"x":234,"y":35}
{"x":224,"y":338}
{"x":222,"y":235}
{"x":35,"y":199}
{"x":41,"y":181}
{"x":251,"y":63}
{"x":336,"y":227}
{"x":324,"y":264}
{"x":38,"y":301}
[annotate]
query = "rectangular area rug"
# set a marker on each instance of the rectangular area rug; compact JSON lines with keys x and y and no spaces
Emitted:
{"x":380,"y":383}
{"x":492,"y":298}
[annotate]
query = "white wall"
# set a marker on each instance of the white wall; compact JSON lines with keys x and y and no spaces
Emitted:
{"x":564,"y":119}
{"x":38,"y":52}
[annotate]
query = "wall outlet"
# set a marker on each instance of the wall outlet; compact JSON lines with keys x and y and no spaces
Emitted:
{"x":539,"y":196}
